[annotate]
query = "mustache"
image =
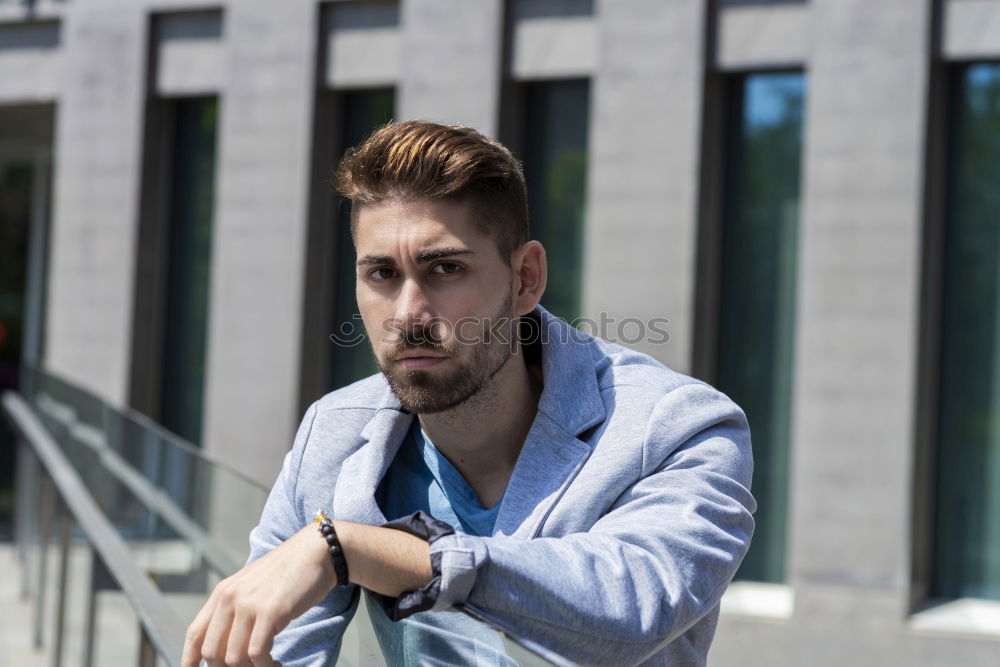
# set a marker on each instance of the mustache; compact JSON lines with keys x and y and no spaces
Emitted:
{"x":419,"y":339}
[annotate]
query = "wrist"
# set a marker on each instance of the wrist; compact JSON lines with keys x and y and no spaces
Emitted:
{"x":344,"y":532}
{"x":334,"y":561}
{"x":319,"y":557}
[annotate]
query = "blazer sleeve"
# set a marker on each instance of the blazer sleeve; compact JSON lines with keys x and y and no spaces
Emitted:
{"x":652,"y":566}
{"x":315,"y":637}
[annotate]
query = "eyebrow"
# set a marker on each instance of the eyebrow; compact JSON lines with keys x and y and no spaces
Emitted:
{"x":423,"y":256}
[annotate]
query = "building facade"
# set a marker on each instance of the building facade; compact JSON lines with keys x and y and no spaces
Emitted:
{"x":806,"y":191}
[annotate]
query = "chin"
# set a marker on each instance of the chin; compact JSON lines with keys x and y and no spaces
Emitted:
{"x":421,"y":393}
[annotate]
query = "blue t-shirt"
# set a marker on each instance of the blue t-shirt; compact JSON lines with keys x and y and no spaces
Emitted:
{"x":421,"y":478}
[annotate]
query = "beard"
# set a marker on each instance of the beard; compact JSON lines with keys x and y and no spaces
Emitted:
{"x":429,"y":391}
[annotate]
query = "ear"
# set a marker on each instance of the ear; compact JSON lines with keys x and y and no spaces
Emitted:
{"x":530,"y":275}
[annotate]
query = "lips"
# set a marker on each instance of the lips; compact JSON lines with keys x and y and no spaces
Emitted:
{"x":416,"y":363}
{"x":418,"y":359}
{"x":418,"y":354}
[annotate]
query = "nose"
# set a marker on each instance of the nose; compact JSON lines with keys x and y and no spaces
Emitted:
{"x":413,"y":310}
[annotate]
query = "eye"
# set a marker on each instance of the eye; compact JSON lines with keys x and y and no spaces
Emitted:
{"x":447,"y":268}
{"x":381,"y":274}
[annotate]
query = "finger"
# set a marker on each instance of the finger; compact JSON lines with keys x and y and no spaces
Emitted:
{"x":195,"y":635}
{"x":213,"y":649}
{"x":239,"y":635}
{"x":261,"y":642}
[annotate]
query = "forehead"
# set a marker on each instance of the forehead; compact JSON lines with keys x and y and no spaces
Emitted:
{"x":417,"y":222}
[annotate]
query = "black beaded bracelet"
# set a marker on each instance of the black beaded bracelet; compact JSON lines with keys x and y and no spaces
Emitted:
{"x":333,"y":546}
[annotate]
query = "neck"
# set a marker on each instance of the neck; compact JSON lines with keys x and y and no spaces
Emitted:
{"x":483,"y":436}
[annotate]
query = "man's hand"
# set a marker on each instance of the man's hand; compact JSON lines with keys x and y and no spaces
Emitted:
{"x":245,"y":611}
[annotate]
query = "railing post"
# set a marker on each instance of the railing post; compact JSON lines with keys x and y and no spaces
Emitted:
{"x":44,"y":528}
{"x":65,"y":525}
{"x":147,"y":652}
{"x":27,"y":491}
{"x":91,"y":620}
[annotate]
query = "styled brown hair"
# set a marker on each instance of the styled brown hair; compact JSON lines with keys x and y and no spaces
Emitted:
{"x":420,"y":159}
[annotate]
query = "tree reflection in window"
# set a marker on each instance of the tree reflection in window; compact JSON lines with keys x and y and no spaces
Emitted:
{"x":555,"y":168}
{"x":757,"y":295}
{"x":967,"y":536}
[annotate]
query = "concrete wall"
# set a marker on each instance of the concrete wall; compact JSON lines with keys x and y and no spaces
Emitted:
{"x":260,"y":232}
{"x":451,"y":62}
{"x":861,"y":226}
{"x":643,"y":168}
{"x":30,"y":61}
{"x":95,"y":194}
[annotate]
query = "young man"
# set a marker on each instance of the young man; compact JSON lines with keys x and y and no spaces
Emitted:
{"x":581,"y":495}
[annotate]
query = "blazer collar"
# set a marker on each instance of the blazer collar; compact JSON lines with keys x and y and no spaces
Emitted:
{"x":571,"y":397}
{"x":361,"y":472}
{"x":552,"y":454}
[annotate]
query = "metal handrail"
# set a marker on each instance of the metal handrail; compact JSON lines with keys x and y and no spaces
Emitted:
{"x":147,"y":424}
{"x":154,"y":499}
{"x":163,"y":628}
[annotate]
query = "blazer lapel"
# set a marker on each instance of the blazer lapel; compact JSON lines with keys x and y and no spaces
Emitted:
{"x":361,"y":472}
{"x":552,"y":453}
{"x":549,"y":461}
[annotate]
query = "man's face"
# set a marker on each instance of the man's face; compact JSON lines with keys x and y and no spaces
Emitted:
{"x":436,"y":298}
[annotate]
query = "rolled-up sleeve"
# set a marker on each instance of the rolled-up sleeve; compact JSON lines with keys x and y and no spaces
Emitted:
{"x":453,"y":568}
{"x":652,"y":566}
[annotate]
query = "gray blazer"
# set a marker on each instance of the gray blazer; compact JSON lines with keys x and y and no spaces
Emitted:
{"x":626,"y":516}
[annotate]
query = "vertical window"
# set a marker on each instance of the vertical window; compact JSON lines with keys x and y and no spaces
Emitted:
{"x":16,"y":186}
{"x":189,"y":246}
{"x":25,"y":156}
{"x":361,"y":113}
{"x":967,"y":536}
{"x":16,"y":189}
{"x":757,"y":291}
{"x":556,"y":117}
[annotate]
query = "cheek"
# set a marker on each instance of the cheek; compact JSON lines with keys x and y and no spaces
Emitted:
{"x":371,"y":304}
{"x":467,"y":332}
{"x":373,"y":322}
